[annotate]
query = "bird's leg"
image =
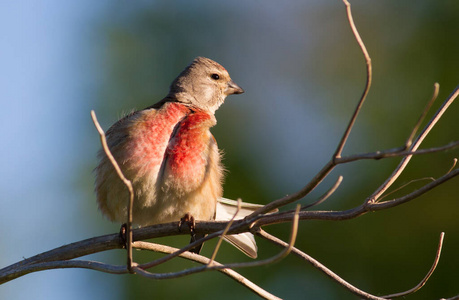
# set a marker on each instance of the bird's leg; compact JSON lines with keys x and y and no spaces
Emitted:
{"x":189,"y":219}
{"x":122,"y":235}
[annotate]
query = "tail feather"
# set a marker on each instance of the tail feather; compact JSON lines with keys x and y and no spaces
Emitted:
{"x":245,"y":242}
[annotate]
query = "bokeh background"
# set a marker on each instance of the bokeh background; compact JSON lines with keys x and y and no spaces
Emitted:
{"x":303,"y":74}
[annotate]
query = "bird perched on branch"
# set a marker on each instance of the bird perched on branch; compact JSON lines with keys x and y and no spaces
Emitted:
{"x":170,"y":156}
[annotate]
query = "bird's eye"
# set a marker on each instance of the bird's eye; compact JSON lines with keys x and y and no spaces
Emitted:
{"x":215,"y":76}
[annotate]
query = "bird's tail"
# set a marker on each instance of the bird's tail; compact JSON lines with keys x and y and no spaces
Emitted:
{"x":245,"y":242}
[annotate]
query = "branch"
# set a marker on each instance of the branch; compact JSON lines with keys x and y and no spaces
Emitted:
{"x":127,"y":183}
{"x":330,"y":165}
{"x":424,"y":280}
{"x":401,"y":167}
{"x":409,"y":141}
{"x":206,"y":261}
{"x":326,"y":195}
{"x":318,"y":265}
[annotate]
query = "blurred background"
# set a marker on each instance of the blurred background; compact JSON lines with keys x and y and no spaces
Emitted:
{"x":303,"y":74}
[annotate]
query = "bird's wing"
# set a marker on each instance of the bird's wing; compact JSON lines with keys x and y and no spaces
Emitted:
{"x":226,"y":209}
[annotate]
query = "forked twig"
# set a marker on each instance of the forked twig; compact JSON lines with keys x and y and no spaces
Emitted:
{"x":315,"y":263}
{"x":341,"y":144}
{"x":141,"y":268}
{"x":452,"y":298}
{"x":326,"y":195}
{"x":398,"y":152}
{"x":205,"y":261}
{"x":60,"y":257}
{"x":409,"y":141}
{"x":127,"y":183}
{"x":424,"y":280}
{"x":401,"y":167}
{"x":331,"y":164}
{"x":405,"y":185}
{"x":453,"y":166}
{"x":286,"y":251}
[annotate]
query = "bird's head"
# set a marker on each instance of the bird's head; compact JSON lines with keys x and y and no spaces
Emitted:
{"x":204,"y":84}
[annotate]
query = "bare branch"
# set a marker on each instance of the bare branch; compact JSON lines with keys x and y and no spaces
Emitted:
{"x":62,"y":257}
{"x":205,"y":261}
{"x":341,"y":144}
{"x":405,"y":185}
{"x":415,"y":194}
{"x":423,"y":281}
{"x":280,"y":255}
{"x":398,"y":152}
{"x":331,"y":164}
{"x":318,"y":265}
{"x":453,"y":166}
{"x":401,"y":167}
{"x":127,"y":183}
{"x":326,"y":195}
{"x":409,"y":141}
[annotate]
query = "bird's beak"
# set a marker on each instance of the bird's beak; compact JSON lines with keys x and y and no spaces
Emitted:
{"x":233,"y":88}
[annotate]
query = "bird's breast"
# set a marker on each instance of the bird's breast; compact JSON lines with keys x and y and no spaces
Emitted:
{"x":187,"y":155}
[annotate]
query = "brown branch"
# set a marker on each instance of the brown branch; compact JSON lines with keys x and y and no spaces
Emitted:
{"x":127,"y":183}
{"x":206,"y":261}
{"x":112,"y":241}
{"x":399,"y":152}
{"x":453,"y":166}
{"x":326,"y":195}
{"x":331,"y":164}
{"x":318,"y":266}
{"x":424,"y":280}
{"x":341,"y":144}
{"x":409,"y":141}
{"x":62,"y":257}
{"x":406,"y":159}
{"x":346,"y":284}
{"x":216,"y":266}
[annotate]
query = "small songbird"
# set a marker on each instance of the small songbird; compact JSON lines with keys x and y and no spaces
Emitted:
{"x":170,"y":156}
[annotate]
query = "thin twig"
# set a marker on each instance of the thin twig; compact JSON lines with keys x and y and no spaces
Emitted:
{"x":343,"y":160}
{"x":355,"y":212}
{"x":141,"y":269}
{"x":408,"y":197}
{"x":107,"y":242}
{"x":205,"y":261}
{"x":398,"y":152}
{"x":318,"y":265}
{"x":452,"y":298}
{"x":331,"y":164}
{"x":214,"y":254}
{"x":454,"y":165}
{"x":341,"y":144}
{"x":409,"y":141}
{"x":279,"y":256}
{"x":423,"y":281}
{"x":405,"y":185}
{"x":127,"y":183}
{"x":326,"y":195}
{"x":401,"y":167}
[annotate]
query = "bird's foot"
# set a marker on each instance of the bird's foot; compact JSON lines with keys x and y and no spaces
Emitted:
{"x":122,"y":235}
{"x":189,"y":220}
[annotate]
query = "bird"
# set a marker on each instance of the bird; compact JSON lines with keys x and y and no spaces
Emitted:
{"x":171,"y":158}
